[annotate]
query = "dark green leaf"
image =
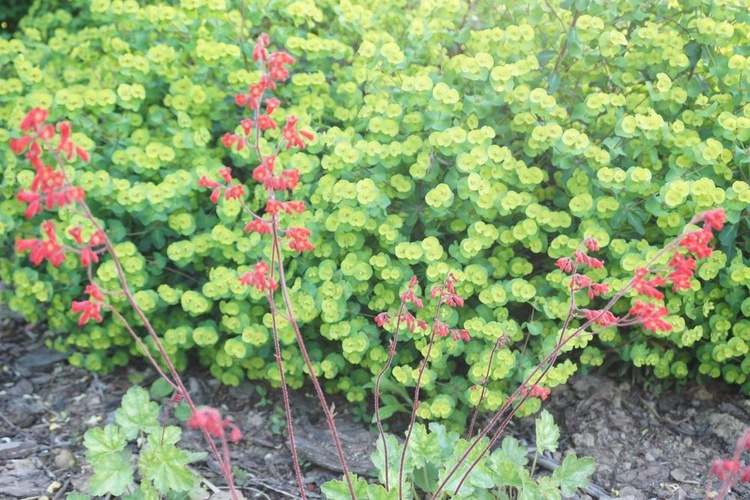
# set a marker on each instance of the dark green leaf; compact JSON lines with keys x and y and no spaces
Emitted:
{"x":574,"y":473}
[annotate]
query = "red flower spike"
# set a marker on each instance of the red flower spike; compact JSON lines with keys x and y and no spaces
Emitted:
{"x":649,"y":315}
{"x":258,"y":278}
{"x":648,"y":287}
{"x":299,"y":239}
{"x":697,"y":242}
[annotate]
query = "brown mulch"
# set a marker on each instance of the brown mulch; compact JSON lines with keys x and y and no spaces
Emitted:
{"x":646,"y":443}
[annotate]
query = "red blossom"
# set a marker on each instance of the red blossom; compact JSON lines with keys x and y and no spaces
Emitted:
{"x":565,"y":264}
{"x":88,"y":256}
{"x":536,"y":391}
{"x":259,"y":278}
{"x":206,"y":182}
{"x":649,"y":315}
{"x":299,"y":239}
{"x":603,"y":318}
{"x":259,"y":226}
{"x":586,"y":260}
{"x":208,"y":420}
{"x":89,"y":310}
{"x":94,"y":292}
{"x":714,"y":219}
{"x":648,"y":287}
{"x":382,"y":319}
{"x":697,"y":242}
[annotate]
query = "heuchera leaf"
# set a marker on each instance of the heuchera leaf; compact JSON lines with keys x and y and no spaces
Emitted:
{"x":103,"y":442}
{"x":137,"y":413}
{"x":574,"y":473}
{"x":166,"y":466}
{"x":547,"y":433}
{"x":338,"y":489}
{"x":113,"y":474}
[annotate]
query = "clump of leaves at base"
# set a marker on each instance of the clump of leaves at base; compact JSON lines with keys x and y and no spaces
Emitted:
{"x":138,"y":441}
{"x":503,"y":473}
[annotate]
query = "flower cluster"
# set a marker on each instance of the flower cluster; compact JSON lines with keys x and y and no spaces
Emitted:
{"x":646,"y":282}
{"x":732,"y":471}
{"x":49,"y":188}
{"x":275,"y":181}
{"x":209,"y":420}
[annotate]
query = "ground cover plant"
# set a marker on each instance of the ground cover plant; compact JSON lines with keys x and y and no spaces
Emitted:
{"x":473,"y":169}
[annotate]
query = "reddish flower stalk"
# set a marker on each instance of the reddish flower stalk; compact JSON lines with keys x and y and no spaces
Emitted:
{"x":52,"y":186}
{"x":273,"y":69}
{"x":649,"y":316}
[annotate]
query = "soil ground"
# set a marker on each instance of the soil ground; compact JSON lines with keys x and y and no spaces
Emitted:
{"x":655,"y":443}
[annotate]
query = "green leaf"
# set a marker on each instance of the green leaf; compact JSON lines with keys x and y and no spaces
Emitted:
{"x":378,"y":492}
{"x":102,"y":442}
{"x":636,"y":222}
{"x":548,"y":489}
{"x":160,"y":389}
{"x":546,"y":56}
{"x":137,"y":413}
{"x":113,"y":475}
{"x":339,"y":490}
{"x":574,"y":473}
{"x":553,"y":81}
{"x":166,"y":466}
{"x":547,"y":433}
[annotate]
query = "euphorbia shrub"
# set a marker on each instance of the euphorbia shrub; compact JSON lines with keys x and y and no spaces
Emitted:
{"x":490,"y":142}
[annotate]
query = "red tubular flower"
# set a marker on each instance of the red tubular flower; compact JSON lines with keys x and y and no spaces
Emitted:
{"x":441,"y":329}
{"x":603,"y":318}
{"x":382,"y":319}
{"x":234,"y":192}
{"x":460,"y":334}
{"x":247,"y":125}
{"x":714,"y":219}
{"x":88,"y":256}
{"x":591,"y":244}
{"x":265,"y":122}
{"x":98,"y":238}
{"x":34,"y":119}
{"x":564,"y":264}
{"x":34,"y":200}
{"x":94,"y":292}
{"x":18,"y":146}
{"x":89,"y":310}
{"x":648,"y":287}
{"x":649,"y":315}
{"x":208,"y":420}
{"x":206,"y":182}
{"x":226,"y":174}
{"x":299,"y":239}
{"x":259,"y":278}
{"x":536,"y":391}
{"x":75,"y":232}
{"x":272,"y":105}
{"x":259,"y":226}
{"x":586,"y":260}
{"x":277,"y":65}
{"x":697,"y":242}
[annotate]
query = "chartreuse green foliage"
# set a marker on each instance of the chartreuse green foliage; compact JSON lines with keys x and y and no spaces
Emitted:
{"x":486,"y":142}
{"x":162,"y":466}
{"x":504,"y":473}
